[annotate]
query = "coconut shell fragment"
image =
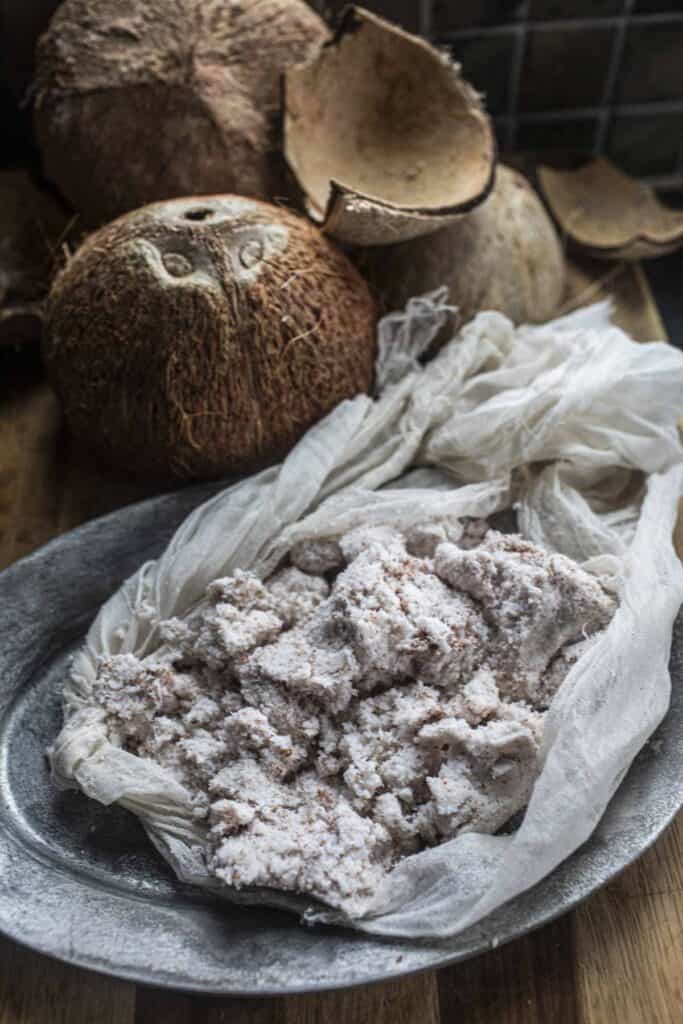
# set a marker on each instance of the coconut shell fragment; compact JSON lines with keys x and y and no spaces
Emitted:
{"x":139,"y":100}
{"x":505,"y":256}
{"x":609,"y":213}
{"x":203,"y":336}
{"x":384,"y":136}
{"x":32,"y":226}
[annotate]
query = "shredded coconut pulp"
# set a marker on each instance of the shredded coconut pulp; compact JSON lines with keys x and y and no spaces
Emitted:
{"x":382,"y":692}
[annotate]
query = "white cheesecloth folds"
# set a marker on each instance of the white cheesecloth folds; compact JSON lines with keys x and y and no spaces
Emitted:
{"x":573,"y":423}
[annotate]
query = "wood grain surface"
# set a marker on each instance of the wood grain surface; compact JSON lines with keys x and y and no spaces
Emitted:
{"x":617,"y":958}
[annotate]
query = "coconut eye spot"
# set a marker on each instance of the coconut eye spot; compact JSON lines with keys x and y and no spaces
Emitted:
{"x":172,"y":268}
{"x":251,"y":253}
{"x":176,"y":264}
{"x":199,"y":213}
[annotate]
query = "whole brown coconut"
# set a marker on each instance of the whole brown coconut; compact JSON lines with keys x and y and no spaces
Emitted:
{"x":139,"y":100}
{"x":201,"y":336}
{"x":504,"y":255}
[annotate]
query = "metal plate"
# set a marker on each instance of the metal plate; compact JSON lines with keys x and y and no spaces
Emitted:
{"x":82,"y":883}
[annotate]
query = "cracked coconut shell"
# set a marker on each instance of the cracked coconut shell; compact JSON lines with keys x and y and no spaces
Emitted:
{"x":505,"y":255}
{"x":139,"y":100}
{"x":384,"y":136}
{"x":201,"y":336}
{"x":609,"y":213}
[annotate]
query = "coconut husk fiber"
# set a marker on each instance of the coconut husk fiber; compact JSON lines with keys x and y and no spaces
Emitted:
{"x":202,"y":336}
{"x":609,"y":213}
{"x":504,"y":255}
{"x":140,"y":100}
{"x":384,"y":136}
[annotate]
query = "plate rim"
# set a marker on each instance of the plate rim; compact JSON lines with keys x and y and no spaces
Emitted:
{"x":168,"y":985}
{"x":176,"y":505}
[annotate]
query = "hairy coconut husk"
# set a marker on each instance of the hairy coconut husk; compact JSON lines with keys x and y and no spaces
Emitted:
{"x":384,"y":136}
{"x":32,"y":226}
{"x":139,"y":100}
{"x":505,"y":255}
{"x":609,"y":213}
{"x":201,"y":336}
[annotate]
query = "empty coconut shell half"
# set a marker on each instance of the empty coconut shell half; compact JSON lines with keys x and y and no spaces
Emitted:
{"x":385,"y":137}
{"x":609,"y":213}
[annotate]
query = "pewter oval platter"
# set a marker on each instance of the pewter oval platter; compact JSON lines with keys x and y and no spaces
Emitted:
{"x":82,"y":883}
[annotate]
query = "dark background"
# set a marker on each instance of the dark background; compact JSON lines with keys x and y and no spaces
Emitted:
{"x":588,"y":76}
{"x":563,"y":79}
{"x":577,"y":76}
{"x":566,"y":80}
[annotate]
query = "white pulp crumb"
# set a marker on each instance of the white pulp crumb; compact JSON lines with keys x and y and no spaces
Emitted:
{"x":325,"y":730}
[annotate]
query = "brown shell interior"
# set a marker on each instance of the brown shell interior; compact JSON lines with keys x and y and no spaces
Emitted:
{"x":603,"y":209}
{"x":384,"y":114}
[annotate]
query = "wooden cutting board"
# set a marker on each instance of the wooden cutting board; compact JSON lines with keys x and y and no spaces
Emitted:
{"x":617,"y":958}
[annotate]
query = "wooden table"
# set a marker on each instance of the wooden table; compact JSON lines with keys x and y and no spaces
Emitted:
{"x":617,"y":958}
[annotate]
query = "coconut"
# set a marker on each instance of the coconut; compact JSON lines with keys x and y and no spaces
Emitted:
{"x":505,"y":255}
{"x":384,"y":136}
{"x":609,"y":213}
{"x":139,"y":100}
{"x":202,"y":336}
